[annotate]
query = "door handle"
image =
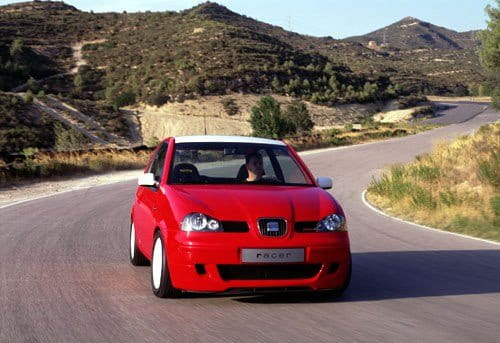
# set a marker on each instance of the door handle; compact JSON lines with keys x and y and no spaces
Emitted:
{"x":155,"y":208}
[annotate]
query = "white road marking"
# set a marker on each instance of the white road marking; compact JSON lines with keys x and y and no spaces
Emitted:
{"x":373,"y":208}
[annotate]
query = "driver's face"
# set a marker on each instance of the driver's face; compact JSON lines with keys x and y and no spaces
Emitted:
{"x":256,"y":166}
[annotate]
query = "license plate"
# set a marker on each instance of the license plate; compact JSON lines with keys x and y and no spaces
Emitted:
{"x":272,"y":255}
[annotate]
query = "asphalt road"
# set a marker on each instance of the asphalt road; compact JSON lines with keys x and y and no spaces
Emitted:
{"x":65,"y":276}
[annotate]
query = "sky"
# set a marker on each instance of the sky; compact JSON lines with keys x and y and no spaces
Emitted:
{"x":336,"y":18}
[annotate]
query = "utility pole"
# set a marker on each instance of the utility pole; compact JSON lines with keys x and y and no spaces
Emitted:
{"x":205,"y":122}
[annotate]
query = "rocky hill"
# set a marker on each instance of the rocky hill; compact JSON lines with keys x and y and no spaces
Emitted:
{"x":412,"y":34}
{"x":99,"y":63}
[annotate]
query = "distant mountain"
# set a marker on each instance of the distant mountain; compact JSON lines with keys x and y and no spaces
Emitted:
{"x":411,"y":34}
{"x":154,"y":57}
{"x":37,"y":5}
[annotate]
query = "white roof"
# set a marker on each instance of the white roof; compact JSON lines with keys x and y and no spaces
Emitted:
{"x":226,"y":139}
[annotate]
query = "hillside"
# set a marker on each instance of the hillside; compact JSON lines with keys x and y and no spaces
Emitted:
{"x":411,"y":34}
{"x":99,"y":70}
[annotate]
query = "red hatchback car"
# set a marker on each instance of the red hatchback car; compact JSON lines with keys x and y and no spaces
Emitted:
{"x":221,"y":213}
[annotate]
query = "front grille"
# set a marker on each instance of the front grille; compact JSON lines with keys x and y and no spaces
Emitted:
{"x":305,"y":226}
{"x":228,"y":226}
{"x":230,"y":272}
{"x":272,"y":227}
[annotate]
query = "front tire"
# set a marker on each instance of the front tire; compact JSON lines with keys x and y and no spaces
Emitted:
{"x":161,"y":283}
{"x":136,"y":257}
{"x":331,"y":294}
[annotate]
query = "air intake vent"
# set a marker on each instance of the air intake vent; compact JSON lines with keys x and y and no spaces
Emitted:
{"x":272,"y":227}
{"x":228,"y":226}
{"x":230,"y":272}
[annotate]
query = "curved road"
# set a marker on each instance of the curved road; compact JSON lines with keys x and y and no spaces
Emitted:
{"x":65,"y":276}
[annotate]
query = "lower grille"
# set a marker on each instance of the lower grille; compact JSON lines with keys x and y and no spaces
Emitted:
{"x":230,"y":272}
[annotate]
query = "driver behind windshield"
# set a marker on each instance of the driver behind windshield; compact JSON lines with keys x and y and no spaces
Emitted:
{"x":255,"y":167}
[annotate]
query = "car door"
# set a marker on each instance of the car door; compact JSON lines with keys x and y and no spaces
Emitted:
{"x":145,"y":203}
{"x":154,"y":197}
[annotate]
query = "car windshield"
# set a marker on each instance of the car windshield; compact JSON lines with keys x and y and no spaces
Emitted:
{"x":235,"y":163}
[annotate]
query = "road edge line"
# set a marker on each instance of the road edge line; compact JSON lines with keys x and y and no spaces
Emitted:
{"x":375,"y":209}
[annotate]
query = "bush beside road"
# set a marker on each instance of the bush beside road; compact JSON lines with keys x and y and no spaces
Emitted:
{"x":454,"y":188}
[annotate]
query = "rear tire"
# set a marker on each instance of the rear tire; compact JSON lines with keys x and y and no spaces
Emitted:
{"x":161,"y":283}
{"x":137,"y":258}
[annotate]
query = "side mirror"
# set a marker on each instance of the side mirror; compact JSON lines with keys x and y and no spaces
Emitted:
{"x":148,"y":180}
{"x":324,"y":182}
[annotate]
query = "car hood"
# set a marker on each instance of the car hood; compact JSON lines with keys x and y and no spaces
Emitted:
{"x":250,"y":202}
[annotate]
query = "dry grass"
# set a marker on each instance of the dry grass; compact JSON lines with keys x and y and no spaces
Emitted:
{"x":44,"y":165}
{"x":455,"y":187}
{"x":347,"y":136}
{"x":484,"y":99}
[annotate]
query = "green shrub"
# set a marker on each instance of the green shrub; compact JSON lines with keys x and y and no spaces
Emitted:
{"x":41,"y":95}
{"x":230,"y":106}
{"x":425,"y":173}
{"x":158,"y":99}
{"x":68,"y":139}
{"x":410,"y":101}
{"x":28,"y":97}
{"x":449,"y":198}
{"x":267,"y":119}
{"x":489,"y":169}
{"x":124,"y":99}
{"x":422,"y":198}
{"x":298,"y":115}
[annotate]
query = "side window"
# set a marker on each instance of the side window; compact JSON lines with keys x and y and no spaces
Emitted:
{"x":159,"y":162}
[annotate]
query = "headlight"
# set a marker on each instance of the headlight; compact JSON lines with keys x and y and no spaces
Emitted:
{"x":200,"y":222}
{"x":333,"y":222}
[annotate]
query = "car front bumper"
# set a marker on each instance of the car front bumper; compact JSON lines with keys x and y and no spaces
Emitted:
{"x":201,"y":263}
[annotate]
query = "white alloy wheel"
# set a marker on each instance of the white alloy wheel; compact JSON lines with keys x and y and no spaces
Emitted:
{"x":157,"y":263}
{"x":132,"y":241}
{"x":137,"y":258}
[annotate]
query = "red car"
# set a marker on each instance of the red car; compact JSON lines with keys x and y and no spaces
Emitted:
{"x":216,"y":213}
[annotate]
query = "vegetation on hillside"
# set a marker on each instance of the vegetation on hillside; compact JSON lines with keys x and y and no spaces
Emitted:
{"x":43,"y":164}
{"x":269,"y":120}
{"x":490,"y":49}
{"x":156,"y":57}
{"x":19,"y":63}
{"x":22,"y":126}
{"x":456,"y":187}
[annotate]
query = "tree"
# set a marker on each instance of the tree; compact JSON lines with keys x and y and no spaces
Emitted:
{"x":78,"y":81}
{"x":16,"y":47}
{"x":298,"y":114}
{"x":328,"y":68}
{"x":490,"y":49}
{"x":230,"y":106}
{"x":32,"y":84}
{"x":267,"y":119}
{"x":124,"y":99}
{"x":276,"y":83}
{"x":41,"y":95}
{"x":28,"y":97}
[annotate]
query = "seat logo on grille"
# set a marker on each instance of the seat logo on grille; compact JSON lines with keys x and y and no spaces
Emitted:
{"x":272,"y":227}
